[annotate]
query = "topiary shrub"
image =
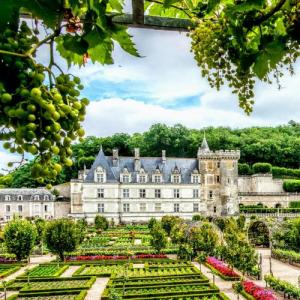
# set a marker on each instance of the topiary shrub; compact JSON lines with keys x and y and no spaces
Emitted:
{"x":101,"y":222}
{"x":262,"y":168}
{"x":291,"y":185}
{"x":279,"y":172}
{"x":244,"y":169}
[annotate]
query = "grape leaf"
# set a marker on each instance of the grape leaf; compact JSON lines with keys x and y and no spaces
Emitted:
{"x":6,"y":10}
{"x":125,"y":41}
{"x":75,"y":43}
{"x":168,"y":3}
{"x":247,"y":5}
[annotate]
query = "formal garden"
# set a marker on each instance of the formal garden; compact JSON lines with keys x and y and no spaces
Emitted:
{"x":166,"y":259}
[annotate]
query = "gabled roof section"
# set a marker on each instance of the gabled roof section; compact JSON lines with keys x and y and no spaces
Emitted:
{"x":101,"y":160}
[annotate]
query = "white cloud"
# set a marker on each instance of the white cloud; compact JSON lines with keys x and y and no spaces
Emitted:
{"x":113,"y":115}
{"x":5,"y":158}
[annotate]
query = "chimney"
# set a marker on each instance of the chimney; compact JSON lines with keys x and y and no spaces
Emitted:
{"x":163,"y":156}
{"x":137,"y":162}
{"x":115,"y":157}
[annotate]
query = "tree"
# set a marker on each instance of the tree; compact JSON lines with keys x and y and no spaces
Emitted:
{"x":101,"y":222}
{"x":151,"y":223}
{"x":19,"y":238}
{"x":40,"y":225}
{"x":167,"y":223}
{"x":61,"y":235}
{"x":81,"y":227}
{"x":203,"y":238}
{"x":159,"y":238}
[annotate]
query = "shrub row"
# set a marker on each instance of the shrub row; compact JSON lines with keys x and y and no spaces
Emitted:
{"x":279,"y":172}
{"x":286,"y":255}
{"x":291,"y":185}
{"x":268,"y":210}
{"x":282,"y":286}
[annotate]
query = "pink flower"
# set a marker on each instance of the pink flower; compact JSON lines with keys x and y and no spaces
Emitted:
{"x":221,"y":267}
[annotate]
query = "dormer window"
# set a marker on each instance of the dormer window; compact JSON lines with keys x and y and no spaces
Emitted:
{"x":36,"y":197}
{"x":20,"y":198}
{"x":157,"y":178}
{"x":176,"y":178}
{"x":100,"y":175}
{"x":46,"y":197}
{"x":195,"y":179}
{"x":142,"y":178}
{"x":7,"y":198}
{"x":125,"y":176}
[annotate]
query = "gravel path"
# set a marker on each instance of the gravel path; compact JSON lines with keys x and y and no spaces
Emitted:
{"x":70,"y":271}
{"x":95,"y":292}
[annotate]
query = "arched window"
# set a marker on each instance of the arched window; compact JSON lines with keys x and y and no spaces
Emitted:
{"x":36,"y":198}
{"x":46,"y":197}
{"x":7,"y":198}
{"x":20,"y":197}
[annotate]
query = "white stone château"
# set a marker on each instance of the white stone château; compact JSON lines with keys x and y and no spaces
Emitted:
{"x":134,"y":189}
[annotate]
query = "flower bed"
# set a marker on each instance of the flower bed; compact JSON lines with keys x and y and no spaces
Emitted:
{"x":257,"y":292}
{"x":221,"y":269}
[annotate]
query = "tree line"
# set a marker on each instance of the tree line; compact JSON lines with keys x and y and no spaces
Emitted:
{"x":279,"y":146}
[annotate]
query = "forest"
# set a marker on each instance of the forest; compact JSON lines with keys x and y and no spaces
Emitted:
{"x":279,"y":146}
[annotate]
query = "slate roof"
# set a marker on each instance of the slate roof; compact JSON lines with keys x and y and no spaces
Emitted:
{"x":27,"y":194}
{"x":149,"y":164}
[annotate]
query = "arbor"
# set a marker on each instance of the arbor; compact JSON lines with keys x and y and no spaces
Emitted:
{"x":19,"y":238}
{"x":159,"y":238}
{"x":101,"y":222}
{"x":61,"y":235}
{"x":40,"y":225}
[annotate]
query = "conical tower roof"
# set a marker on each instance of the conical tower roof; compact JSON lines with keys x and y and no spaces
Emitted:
{"x":204,"y":146}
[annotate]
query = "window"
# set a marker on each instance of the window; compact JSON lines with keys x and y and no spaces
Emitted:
{"x":195,"y":193}
{"x":195,"y":179}
{"x":176,"y":193}
{"x":218,"y":179}
{"x":20,"y":208}
{"x":46,"y":198}
{"x":142,"y":193}
{"x":210,"y":194}
{"x":126,"y":207}
{"x":100,"y":177}
{"x":125,"y":193}
{"x":7,"y":208}
{"x":7,"y":198}
{"x":142,"y":206}
{"x":36,"y":197}
{"x":176,"y":207}
{"x":100,"y":208}
{"x":157,"y":178}
{"x":126,"y":178}
{"x":218,"y":164}
{"x":157,"y":207}
{"x":176,"y":178}
{"x":20,"y":198}
{"x":196,"y":207}
{"x":37,"y":208}
{"x":46,"y":208}
{"x":215,"y":209}
{"x":100,"y":193}
{"x":142,"y":178}
{"x":157,"y":193}
{"x":228,"y":180}
{"x":210,"y":165}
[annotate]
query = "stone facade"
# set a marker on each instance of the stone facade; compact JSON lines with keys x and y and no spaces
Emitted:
{"x":134,"y":189}
{"x":26,"y":202}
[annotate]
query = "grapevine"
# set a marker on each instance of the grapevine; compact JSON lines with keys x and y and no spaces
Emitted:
{"x":38,"y":117}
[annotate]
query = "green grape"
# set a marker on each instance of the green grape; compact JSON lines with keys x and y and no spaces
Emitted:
{"x":6,"y":97}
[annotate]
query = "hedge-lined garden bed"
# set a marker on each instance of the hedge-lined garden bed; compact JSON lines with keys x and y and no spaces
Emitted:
{"x":7,"y":269}
{"x":287,"y":256}
{"x":47,"y":270}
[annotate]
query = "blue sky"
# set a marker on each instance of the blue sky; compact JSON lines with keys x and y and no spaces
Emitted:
{"x":165,"y":86}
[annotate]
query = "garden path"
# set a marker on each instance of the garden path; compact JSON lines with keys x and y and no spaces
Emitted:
{"x":224,"y":286}
{"x":41,"y":259}
{"x":95,"y":292}
{"x":281,"y":270}
{"x":70,"y":271}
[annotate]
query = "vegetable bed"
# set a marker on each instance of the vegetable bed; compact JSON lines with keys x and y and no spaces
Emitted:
{"x":47,"y":270}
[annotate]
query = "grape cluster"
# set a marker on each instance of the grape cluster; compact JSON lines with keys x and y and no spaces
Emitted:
{"x":220,"y":61}
{"x":37,"y":117}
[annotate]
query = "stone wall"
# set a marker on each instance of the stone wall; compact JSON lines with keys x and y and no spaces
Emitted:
{"x":62,"y":209}
{"x":259,"y":183}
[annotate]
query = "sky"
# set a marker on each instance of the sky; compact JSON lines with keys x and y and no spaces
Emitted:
{"x":164,"y":85}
